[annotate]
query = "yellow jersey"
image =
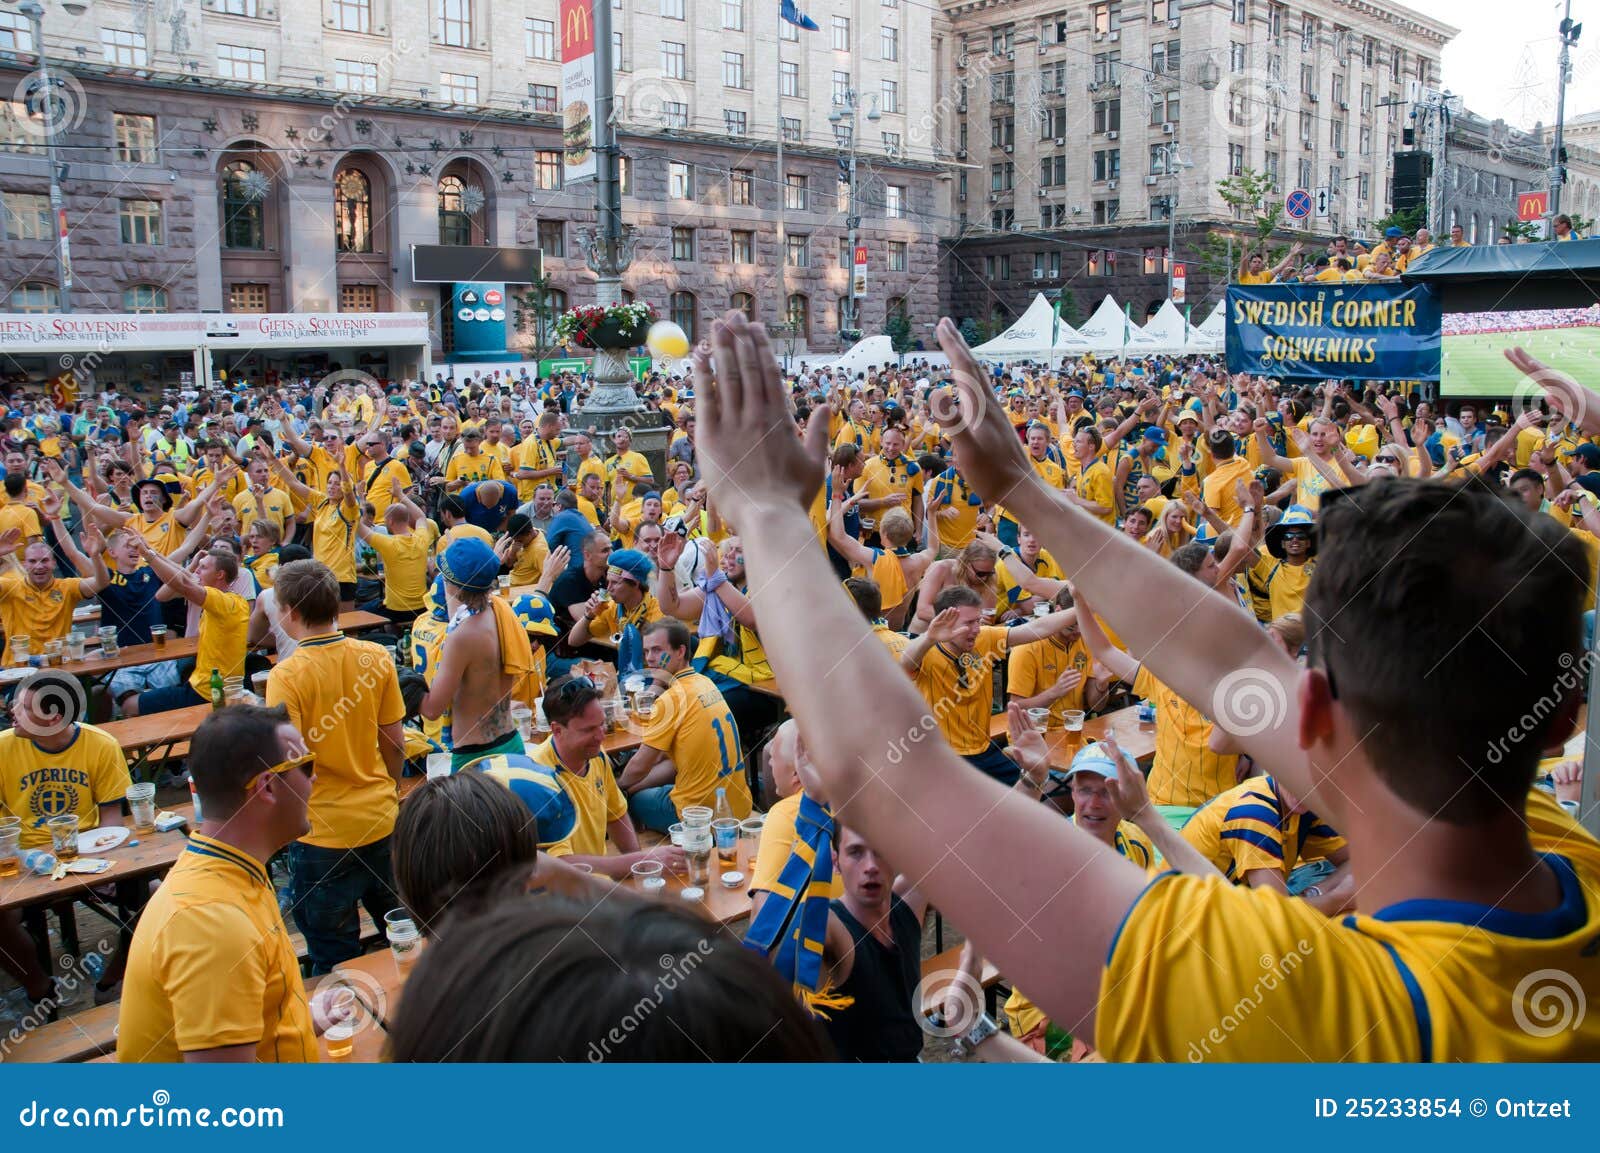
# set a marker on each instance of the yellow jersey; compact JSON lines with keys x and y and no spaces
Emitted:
{"x":24,"y":520}
{"x":1044,"y":565}
{"x":1262,"y":277}
{"x":462,"y":531}
{"x":538,"y":455}
{"x":1034,"y":667}
{"x":1185,"y":770}
{"x":896,"y":643}
{"x":377,"y":479}
{"x":338,"y":691}
{"x":610,"y":619}
{"x":273,"y":505}
{"x":1424,"y":980}
{"x":776,"y":845}
{"x":1097,"y":485}
{"x":211,"y":965}
{"x":36,"y":785}
{"x":333,"y":537}
{"x":466,"y":468}
{"x":959,"y":687}
{"x":693,"y":726}
{"x":1219,"y":489}
{"x":224,"y":636}
{"x":882,"y":478}
{"x":950,"y":490}
{"x":1278,"y":585}
{"x":405,"y":566}
{"x":594,"y":795}
{"x":164,"y":534}
{"x":1311,"y":483}
{"x":40,"y":614}
{"x":629,"y":461}
{"x":1250,"y":827}
{"x":529,"y":565}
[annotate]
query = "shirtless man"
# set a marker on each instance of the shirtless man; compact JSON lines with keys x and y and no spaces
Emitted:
{"x":470,"y":682}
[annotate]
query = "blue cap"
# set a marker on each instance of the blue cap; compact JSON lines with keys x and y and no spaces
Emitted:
{"x":536,"y":613}
{"x":631,"y":563}
{"x":1391,"y":232}
{"x":1156,"y":434}
{"x":1096,"y":758}
{"x":470,"y":564}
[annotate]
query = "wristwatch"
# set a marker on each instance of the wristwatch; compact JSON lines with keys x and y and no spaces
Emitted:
{"x":982,"y":1029}
{"x":1311,"y":891}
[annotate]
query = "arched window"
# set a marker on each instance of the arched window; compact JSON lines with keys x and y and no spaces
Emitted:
{"x":744,"y":302}
{"x":799,"y":315}
{"x":682,"y":305}
{"x":144,"y":298}
{"x":1494,"y":231}
{"x":352,"y":211}
{"x":244,"y":189}
{"x":35,"y":297}
{"x":1472,"y":229}
{"x":459,"y":202}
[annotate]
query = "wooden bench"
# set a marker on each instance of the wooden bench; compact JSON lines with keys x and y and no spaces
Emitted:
{"x":950,"y":960}
{"x":87,"y":1035}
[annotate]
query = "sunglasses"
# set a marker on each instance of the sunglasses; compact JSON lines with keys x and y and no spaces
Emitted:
{"x":306,"y":763}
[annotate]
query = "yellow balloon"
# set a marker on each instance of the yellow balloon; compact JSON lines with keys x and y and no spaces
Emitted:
{"x":667,"y":340}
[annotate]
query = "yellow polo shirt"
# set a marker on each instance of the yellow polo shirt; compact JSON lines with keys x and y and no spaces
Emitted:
{"x":211,"y":965}
{"x":23,"y":518}
{"x":36,"y":785}
{"x":338,"y":690}
{"x":468,"y":468}
{"x":1185,"y":771}
{"x":960,"y":688}
{"x":40,"y":614}
{"x":405,"y":566}
{"x":333,"y":537}
{"x":224,"y":635}
{"x":273,"y":505}
{"x":595,"y":796}
{"x":1034,"y":667}
{"x":629,"y":461}
{"x":693,"y":726}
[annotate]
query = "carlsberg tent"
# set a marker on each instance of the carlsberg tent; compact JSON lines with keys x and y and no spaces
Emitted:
{"x":1030,"y":337}
{"x":1110,"y":333}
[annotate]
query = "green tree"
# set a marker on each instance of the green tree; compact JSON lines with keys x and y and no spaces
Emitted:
{"x":969,"y":330}
{"x":1581,"y":225}
{"x":1407,"y":220}
{"x":1254,"y":196}
{"x":1071,"y":313}
{"x":1516,"y":230}
{"x":897,"y":328}
{"x":535,"y":316}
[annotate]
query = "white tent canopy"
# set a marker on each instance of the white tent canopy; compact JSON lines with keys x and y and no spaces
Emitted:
{"x":1034,"y":335}
{"x":874,"y":350}
{"x":1110,"y":333}
{"x":1207,"y":338}
{"x":1169,"y":330}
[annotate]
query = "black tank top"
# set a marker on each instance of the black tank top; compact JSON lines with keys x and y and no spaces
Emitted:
{"x":881,"y":1025}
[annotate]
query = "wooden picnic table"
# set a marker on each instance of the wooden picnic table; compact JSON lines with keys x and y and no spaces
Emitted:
{"x":176,"y":648}
{"x":152,"y":856}
{"x":1137,"y":738}
{"x":144,"y":737}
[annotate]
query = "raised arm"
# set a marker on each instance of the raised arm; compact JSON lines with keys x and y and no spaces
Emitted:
{"x":844,"y":544}
{"x":180,"y":580}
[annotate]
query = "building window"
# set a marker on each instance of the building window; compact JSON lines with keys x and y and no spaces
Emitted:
{"x":733,"y":15}
{"x":453,"y":22}
{"x":1108,"y":67}
{"x":841,"y":87}
{"x":243,"y":215}
{"x":136,"y":138}
{"x":675,"y":114}
{"x":358,"y":298}
{"x":798,"y":254}
{"x":735,"y":122}
{"x":1107,"y":116}
{"x":1002,"y":131}
{"x":16,"y":34}
{"x":239,"y":7}
{"x":682,"y":306}
{"x":846,"y":256}
{"x":894,"y":201}
{"x":897,"y":256}
{"x":1052,"y":171}
{"x":743,"y":302}
{"x":539,"y":39}
{"x":1166,"y":57}
{"x":1240,"y":10}
{"x":247,"y":298}
{"x":547,"y":169}
{"x":796,"y":194}
{"x":841,"y":33}
{"x":788,"y":31}
{"x":683,"y":244}
{"x":891,"y":143}
{"x":1235,"y":159}
{"x":145,"y":298}
{"x":616,"y":52}
{"x":1108,"y":164}
{"x":1103,"y":17}
{"x":235,"y":62}
{"x":123,"y":49}
{"x":1002,"y":39}
{"x":744,"y":247}
{"x":680,"y":180}
{"x":352,"y":211}
{"x":891,"y":96}
{"x":35,"y":298}
{"x":355,"y":76}
{"x":733,"y":69}
{"x":544,"y":97}
{"x":799,"y":315}
{"x":458,"y":88}
{"x":672,"y":9}
{"x":891,"y":43}
{"x":1001,"y":176}
{"x":352,"y":15}
{"x":673,"y":60}
{"x":793,"y":133}
{"x":27,"y":216}
{"x":552,"y":237}
{"x":1107,"y":211}
{"x":741,"y":187}
{"x":789,"y":78}
{"x":455,"y":222}
{"x":1005,"y":266}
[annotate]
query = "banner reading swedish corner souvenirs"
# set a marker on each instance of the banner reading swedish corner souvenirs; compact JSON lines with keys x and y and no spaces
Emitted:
{"x":1374,"y":331}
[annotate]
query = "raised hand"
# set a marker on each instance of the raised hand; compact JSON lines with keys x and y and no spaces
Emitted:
{"x":942,"y":629}
{"x":987,"y":450}
{"x":1565,"y":395}
{"x":1128,"y":787}
{"x":1025,"y":745}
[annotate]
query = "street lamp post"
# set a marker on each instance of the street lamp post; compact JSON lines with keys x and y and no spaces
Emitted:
{"x":34,"y":11}
{"x":1558,"y":168}
{"x":1173,"y":164}
{"x":849,"y":111}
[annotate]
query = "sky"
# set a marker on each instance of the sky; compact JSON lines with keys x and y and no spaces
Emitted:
{"x":1505,"y":65}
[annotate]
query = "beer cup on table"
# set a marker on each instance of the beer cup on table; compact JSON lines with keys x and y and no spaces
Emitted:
{"x":404,"y":938}
{"x":64,"y":836}
{"x":10,"y":846}
{"x":142,"y":808}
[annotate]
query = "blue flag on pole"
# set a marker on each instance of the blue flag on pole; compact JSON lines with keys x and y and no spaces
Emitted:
{"x":798,"y":18}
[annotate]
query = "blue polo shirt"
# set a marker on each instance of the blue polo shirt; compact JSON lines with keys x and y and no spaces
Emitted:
{"x":129,"y":602}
